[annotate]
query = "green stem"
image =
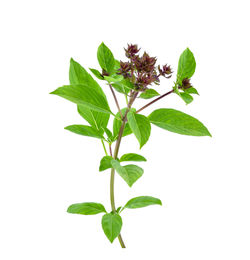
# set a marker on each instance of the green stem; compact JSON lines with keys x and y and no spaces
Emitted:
{"x":117,"y":146}
{"x":104,"y":148}
{"x":126,"y":98}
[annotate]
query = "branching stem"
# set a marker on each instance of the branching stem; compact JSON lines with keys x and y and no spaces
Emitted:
{"x":156,"y":99}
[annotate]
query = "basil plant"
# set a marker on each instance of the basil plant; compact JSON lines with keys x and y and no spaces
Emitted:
{"x":138,"y":77}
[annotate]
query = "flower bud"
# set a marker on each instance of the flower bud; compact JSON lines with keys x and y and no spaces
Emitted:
{"x":186,"y":83}
{"x":166,"y":70}
{"x":131,"y":50}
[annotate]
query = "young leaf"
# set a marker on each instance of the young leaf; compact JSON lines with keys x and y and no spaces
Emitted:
{"x":111,"y":225}
{"x":149,"y":93}
{"x":140,"y":126}
{"x":130,"y":173}
{"x":117,"y":125}
{"x":86,"y":208}
{"x":84,"y":95}
{"x":105,"y":163}
{"x":105,"y":58}
{"x":191,"y":90}
{"x":142,"y":201}
{"x":178,"y":122}
{"x":186,"y":65}
{"x":132,"y":157}
{"x":97,"y":73}
{"x":84,"y":130}
{"x":186,"y":97}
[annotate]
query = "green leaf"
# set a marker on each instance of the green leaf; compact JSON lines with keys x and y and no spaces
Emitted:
{"x":186,"y":65}
{"x":142,"y":201}
{"x":109,"y":135}
{"x":118,"y":209}
{"x":132,"y":157}
{"x":130,"y":173}
{"x":85,"y":130}
{"x":117,"y":65}
{"x":84,"y":95}
{"x":86,"y":208}
{"x":105,"y":58}
{"x":111,"y":225}
{"x":96,"y":119}
{"x":149,"y":93}
{"x":105,"y":163}
{"x":97,"y":73}
{"x":114,"y":78}
{"x":140,"y":126}
{"x":191,"y":90}
{"x":78,"y":75}
{"x":123,"y":86}
{"x":120,"y":88}
{"x":117,"y":125}
{"x":127,"y":84}
{"x":178,"y":122}
{"x":186,"y":97}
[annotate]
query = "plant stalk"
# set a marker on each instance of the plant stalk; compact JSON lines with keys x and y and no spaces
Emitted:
{"x":115,"y":98}
{"x":104,"y":147}
{"x":150,"y":103}
{"x":117,"y":146}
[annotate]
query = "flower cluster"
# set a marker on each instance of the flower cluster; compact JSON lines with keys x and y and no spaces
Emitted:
{"x":142,"y":70}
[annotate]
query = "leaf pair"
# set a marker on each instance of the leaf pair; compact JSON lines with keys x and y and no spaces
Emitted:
{"x":168,"y":119}
{"x":111,"y":222}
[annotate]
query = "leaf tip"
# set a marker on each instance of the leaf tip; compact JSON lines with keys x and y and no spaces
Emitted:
{"x":69,"y":209}
{"x":102,"y":44}
{"x":53,"y":92}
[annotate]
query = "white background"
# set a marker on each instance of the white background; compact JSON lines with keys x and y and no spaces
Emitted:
{"x":202,"y":182}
